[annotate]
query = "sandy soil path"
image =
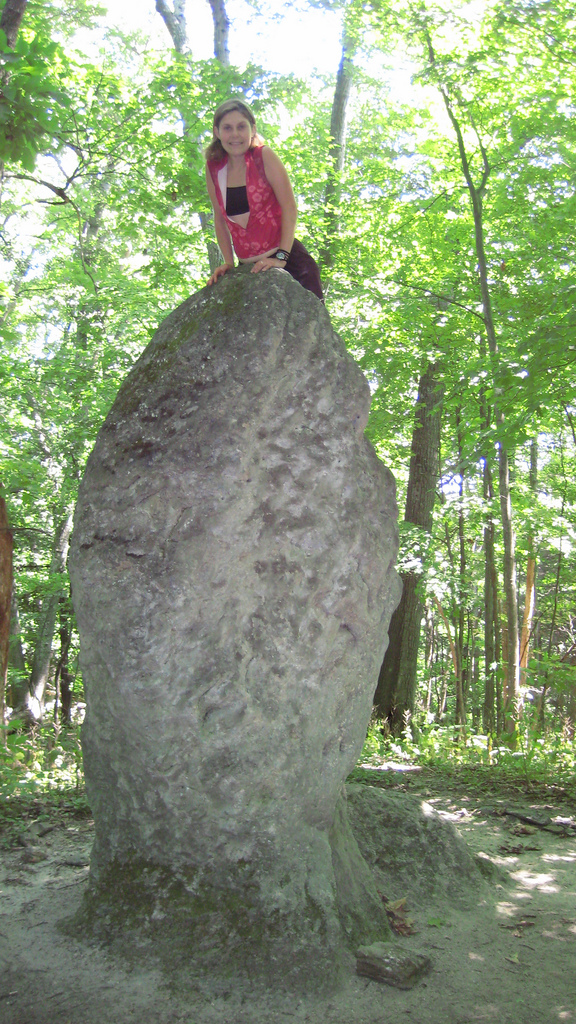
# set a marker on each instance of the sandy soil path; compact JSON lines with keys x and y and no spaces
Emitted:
{"x":510,"y":958}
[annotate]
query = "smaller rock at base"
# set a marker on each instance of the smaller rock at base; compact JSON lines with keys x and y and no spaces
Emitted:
{"x":33,"y":855}
{"x":392,"y":965}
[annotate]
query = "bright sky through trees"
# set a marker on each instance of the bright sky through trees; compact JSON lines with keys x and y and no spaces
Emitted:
{"x":292,"y":43}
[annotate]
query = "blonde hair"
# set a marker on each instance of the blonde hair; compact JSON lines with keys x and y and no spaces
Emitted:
{"x":215,"y":150}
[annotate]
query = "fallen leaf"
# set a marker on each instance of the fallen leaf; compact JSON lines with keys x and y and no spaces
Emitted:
{"x":396,"y":906}
{"x":515,"y":928}
{"x":524,"y":830}
{"x":513,"y":959}
{"x":396,"y":914}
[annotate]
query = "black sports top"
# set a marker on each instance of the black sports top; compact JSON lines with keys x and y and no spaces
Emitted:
{"x":237,"y":201}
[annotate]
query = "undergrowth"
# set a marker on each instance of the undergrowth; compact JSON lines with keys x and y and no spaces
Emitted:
{"x":41,"y":760}
{"x":41,"y":770}
{"x":40,"y":776}
{"x":528,"y":760}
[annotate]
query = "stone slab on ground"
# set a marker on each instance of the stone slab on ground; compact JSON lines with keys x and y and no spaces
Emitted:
{"x":392,"y":965}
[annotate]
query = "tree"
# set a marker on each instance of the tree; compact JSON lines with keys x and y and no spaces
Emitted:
{"x":175,"y":20}
{"x":221,"y":31}
{"x":12,"y":14}
{"x":396,"y":690}
{"x":32,"y":700}
{"x":6,"y":544}
{"x":337,"y":148}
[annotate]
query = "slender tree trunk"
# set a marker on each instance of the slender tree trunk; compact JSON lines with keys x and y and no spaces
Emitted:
{"x":10,"y":20}
{"x":12,"y":14}
{"x":460,"y":714}
{"x":396,"y":690}
{"x":6,"y":579}
{"x":490,"y":607}
{"x":16,"y":659}
{"x":462,"y":582}
{"x":33,"y":708}
{"x":175,"y":20}
{"x":221,"y":31}
{"x":429,"y":652}
{"x":509,"y":567}
{"x":571,"y":713}
{"x":530,"y":598}
{"x":512,"y":692}
{"x":337,"y":151}
{"x":488,"y":721}
{"x":476,"y":688}
{"x":546,"y":684}
{"x":63,"y":676}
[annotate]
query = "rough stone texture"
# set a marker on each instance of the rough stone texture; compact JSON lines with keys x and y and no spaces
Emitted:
{"x":232,"y":567}
{"x":391,"y":965}
{"x":411,"y":849}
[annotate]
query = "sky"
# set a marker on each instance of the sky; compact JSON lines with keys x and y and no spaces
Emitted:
{"x":291,"y":43}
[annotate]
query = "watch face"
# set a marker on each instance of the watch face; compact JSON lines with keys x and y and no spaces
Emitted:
{"x":282,"y":255}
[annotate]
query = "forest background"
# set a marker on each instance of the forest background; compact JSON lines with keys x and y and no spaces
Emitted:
{"x":435,"y":174}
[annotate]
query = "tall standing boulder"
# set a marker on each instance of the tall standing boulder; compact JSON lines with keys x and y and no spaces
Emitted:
{"x":232,"y":567}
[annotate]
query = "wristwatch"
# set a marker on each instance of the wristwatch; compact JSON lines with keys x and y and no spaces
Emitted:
{"x":281,"y":254}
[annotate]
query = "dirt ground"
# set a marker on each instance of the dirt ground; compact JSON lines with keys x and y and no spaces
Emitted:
{"x":512,"y":957}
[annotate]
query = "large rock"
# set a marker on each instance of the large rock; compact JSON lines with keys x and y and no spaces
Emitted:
{"x":412,"y":849}
{"x":232,"y":567}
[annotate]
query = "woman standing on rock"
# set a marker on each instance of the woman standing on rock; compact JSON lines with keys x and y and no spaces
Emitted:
{"x":254,"y":206}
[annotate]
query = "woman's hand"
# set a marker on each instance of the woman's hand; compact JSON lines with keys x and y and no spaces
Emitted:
{"x":219,"y":272}
{"x":266,"y":263}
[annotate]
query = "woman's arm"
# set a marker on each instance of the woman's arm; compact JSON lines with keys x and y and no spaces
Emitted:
{"x":222,"y":233}
{"x":278,"y":178}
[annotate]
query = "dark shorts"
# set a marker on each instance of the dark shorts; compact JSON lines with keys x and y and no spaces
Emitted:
{"x":304,"y":269}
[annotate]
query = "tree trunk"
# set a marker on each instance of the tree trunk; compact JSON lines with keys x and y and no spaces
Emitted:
{"x":476,"y":689}
{"x":16,"y":659}
{"x":221,"y":31}
{"x":396,"y":690}
{"x":512,"y":691}
{"x":509,"y":568}
{"x":530,"y":598}
{"x":10,"y":20}
{"x":33,"y":708}
{"x":546,"y":684}
{"x":6,"y":578}
{"x":460,"y":716}
{"x":490,"y":609}
{"x":175,"y":21}
{"x":461,"y":678}
{"x":337,"y":150}
{"x":63,"y":677}
{"x":176,"y":24}
{"x":12,"y":14}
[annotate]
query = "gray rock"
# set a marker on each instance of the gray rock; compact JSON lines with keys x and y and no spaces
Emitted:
{"x":411,"y":849}
{"x":232,"y":567}
{"x":392,"y":966}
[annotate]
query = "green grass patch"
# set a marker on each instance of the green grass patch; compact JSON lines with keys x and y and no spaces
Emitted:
{"x":527,"y":760}
{"x":41,"y":777}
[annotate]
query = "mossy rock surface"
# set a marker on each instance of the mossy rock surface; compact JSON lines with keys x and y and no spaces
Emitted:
{"x":198,"y":931}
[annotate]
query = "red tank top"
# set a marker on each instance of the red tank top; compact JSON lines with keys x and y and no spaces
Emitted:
{"x":265,"y":222}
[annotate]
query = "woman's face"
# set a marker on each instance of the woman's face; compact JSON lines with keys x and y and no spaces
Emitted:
{"x":235,"y":133}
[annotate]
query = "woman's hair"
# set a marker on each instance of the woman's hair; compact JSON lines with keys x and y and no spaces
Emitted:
{"x":215,"y":150}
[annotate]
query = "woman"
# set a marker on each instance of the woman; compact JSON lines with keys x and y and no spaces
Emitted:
{"x":254,"y":206}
